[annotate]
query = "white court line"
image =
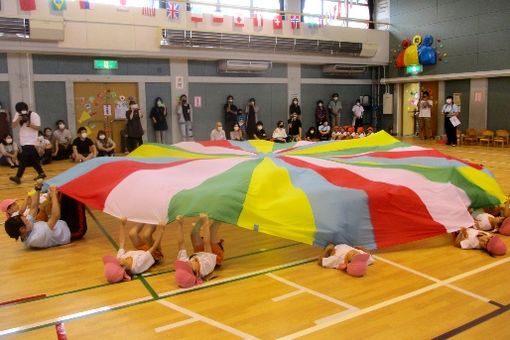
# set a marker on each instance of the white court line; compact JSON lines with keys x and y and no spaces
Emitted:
{"x":312,"y":292}
{"x":206,"y":320}
{"x":175,"y":325}
{"x":286,"y":296}
{"x":334,"y":316}
{"x":72,"y":316}
{"x":437,"y":284}
{"x":235,"y":278}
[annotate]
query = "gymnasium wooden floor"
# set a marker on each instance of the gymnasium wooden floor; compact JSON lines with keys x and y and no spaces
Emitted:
{"x":268,"y":287}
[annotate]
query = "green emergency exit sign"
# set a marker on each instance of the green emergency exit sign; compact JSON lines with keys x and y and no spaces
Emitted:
{"x":414,"y":69}
{"x":103,"y":64}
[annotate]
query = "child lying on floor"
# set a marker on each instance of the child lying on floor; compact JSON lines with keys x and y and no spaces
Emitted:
{"x":471,"y":238}
{"x":11,"y":207}
{"x":132,"y":262}
{"x":193,"y":270}
{"x":353,"y":261}
{"x":494,"y":220}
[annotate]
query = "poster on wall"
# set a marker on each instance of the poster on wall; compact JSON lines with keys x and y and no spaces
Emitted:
{"x":121,"y":108}
{"x":457,"y":100}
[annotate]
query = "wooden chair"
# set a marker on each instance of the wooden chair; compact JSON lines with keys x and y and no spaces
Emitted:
{"x":501,"y":137}
{"x":471,"y":136}
{"x":486,"y":136}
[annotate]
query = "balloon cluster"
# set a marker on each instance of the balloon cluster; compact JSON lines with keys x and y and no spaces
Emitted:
{"x":417,"y":51}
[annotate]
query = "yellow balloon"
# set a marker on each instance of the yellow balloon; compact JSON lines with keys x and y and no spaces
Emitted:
{"x":417,"y":39}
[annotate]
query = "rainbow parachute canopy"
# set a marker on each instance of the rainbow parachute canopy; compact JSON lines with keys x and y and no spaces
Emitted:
{"x":373,"y":192}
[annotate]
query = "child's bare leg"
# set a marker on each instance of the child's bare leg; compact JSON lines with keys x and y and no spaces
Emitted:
{"x":156,"y":246}
{"x":180,"y":233}
{"x":214,"y":232}
{"x":134,"y":235}
{"x":147,"y":234}
{"x":196,"y":239}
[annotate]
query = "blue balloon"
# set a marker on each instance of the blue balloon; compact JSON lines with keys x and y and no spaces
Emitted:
{"x":426,"y":53}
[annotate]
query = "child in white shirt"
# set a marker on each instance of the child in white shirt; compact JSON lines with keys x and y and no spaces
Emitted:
{"x":471,"y":238}
{"x":353,"y":261}
{"x":133,"y":262}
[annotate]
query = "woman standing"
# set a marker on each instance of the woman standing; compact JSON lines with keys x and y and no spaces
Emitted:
{"x":230,"y":111}
{"x":134,"y":126}
{"x":450,"y":110}
{"x":321,"y":114}
{"x":158,"y":117}
{"x":185,"y":118}
{"x":252,"y":111}
{"x":295,"y":108}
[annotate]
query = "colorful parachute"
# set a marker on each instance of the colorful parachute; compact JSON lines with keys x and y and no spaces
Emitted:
{"x":373,"y":192}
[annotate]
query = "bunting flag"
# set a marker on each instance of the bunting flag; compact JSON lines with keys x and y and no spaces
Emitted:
{"x":58,"y":5}
{"x":373,"y":192}
{"x":123,"y":5}
{"x":295,"y":22}
{"x":277,"y":22}
{"x":27,"y":5}
{"x":172,"y":10}
{"x":239,"y":20}
{"x":85,"y":4}
{"x":197,"y":17}
{"x":217,"y":17}
{"x":148,"y":9}
{"x":258,"y":20}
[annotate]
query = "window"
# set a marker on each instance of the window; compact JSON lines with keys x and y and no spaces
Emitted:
{"x":205,"y":8}
{"x":235,"y":11}
{"x":332,"y":10}
{"x":235,"y":7}
{"x":266,"y":4}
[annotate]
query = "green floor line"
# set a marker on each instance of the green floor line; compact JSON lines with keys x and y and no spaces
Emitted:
{"x":148,"y":287}
{"x":103,"y":230}
{"x":49,"y":324}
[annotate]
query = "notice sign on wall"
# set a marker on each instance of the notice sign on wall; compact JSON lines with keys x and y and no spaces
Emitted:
{"x":107,"y":109}
{"x":179,"y":82}
{"x":198,"y":101}
{"x":478,"y":96}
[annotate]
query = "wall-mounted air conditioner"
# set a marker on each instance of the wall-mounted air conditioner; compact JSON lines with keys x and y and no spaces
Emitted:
{"x":368,"y":50}
{"x":343,"y":69}
{"x":244,"y":66}
{"x":49,"y":30}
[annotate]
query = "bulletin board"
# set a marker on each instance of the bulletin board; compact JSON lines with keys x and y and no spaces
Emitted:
{"x":102,"y":106}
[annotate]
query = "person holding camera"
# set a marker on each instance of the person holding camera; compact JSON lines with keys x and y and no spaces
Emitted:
{"x":29,"y":124}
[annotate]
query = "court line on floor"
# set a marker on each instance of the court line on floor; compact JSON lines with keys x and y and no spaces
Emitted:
{"x":207,"y":320}
{"x":287,"y":296}
{"x":51,"y":322}
{"x":437,"y":284}
{"x":175,"y":325}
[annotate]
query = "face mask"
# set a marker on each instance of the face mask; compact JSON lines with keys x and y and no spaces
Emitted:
{"x":259,"y":127}
{"x":102,"y":137}
{"x":83,"y":135}
{"x":61,"y":126}
{"x":236,"y":128}
{"x":312,"y":131}
{"x":134,"y":106}
{"x":8,"y":140}
{"x":24,"y":112}
{"x":160,"y":104}
{"x":230,"y":100}
{"x":325,"y":123}
{"x":320,"y":105}
{"x":295,"y":102}
{"x":219,"y":128}
{"x":335,"y":98}
{"x":448,"y":101}
{"x":252,"y":103}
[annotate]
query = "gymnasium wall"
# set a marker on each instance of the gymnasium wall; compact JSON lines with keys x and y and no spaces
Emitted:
{"x":463,"y":87}
{"x":473,"y":33}
{"x":50,"y":102}
{"x":315,"y":71}
{"x":209,"y":68}
{"x":498,"y":114}
{"x":3,"y":63}
{"x":152,"y":91}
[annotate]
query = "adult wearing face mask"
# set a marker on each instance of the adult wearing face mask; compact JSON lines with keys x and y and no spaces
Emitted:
{"x":83,"y":147}
{"x":9,"y":152}
{"x":279,"y":134}
{"x":236,"y":133}
{"x":158,"y":117}
{"x":230,"y":110}
{"x":63,"y":139}
{"x":450,"y":110}
{"x":134,"y":126}
{"x":321,"y":114}
{"x":335,"y":109}
{"x":251,"y":111}
{"x":218,"y":133}
{"x":185,"y":118}
{"x":295,"y":108}
{"x":29,"y":124}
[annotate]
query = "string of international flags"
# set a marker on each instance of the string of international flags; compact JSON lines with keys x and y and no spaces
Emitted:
{"x":174,"y":11}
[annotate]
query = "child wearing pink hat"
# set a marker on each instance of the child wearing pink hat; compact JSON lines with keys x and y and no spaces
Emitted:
{"x":192,"y":270}
{"x":471,"y":238}
{"x":133,"y":262}
{"x":353,"y":261}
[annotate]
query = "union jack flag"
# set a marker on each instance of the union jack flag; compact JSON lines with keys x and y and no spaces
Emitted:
{"x":172,"y":10}
{"x":149,"y":8}
{"x":295,"y":22}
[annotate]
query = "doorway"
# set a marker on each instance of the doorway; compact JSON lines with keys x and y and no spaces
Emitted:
{"x":102,"y":106}
{"x":409,"y":108}
{"x":432,"y":88}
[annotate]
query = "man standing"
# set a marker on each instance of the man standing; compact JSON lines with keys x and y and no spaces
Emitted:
{"x":335,"y":109}
{"x":29,"y":124}
{"x":425,"y":105}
